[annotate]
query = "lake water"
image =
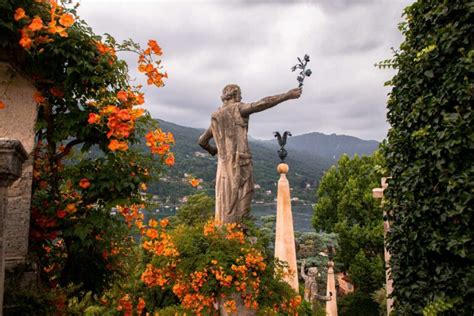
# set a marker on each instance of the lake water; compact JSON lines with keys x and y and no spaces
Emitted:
{"x":302,"y":214}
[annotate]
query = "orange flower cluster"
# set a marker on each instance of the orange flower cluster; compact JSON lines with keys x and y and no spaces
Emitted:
{"x":37,"y":31}
{"x":125,"y":305}
{"x":146,"y":64}
{"x":234,"y":232}
{"x":2,"y":105}
{"x":155,"y":277}
{"x":105,"y":51}
{"x":84,"y":183}
{"x":160,"y":143}
{"x":230,"y":306}
{"x":194,"y":182}
{"x":39,"y":98}
{"x":120,"y":120}
{"x":224,"y":279}
{"x":196,"y":302}
{"x":157,"y":241}
{"x":132,"y":213}
{"x":289,"y":307}
{"x":210,"y":228}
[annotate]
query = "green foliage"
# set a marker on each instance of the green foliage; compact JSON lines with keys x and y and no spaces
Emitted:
{"x":346,"y":207}
{"x":72,"y":231}
{"x":437,"y":307}
{"x":429,"y":155}
{"x":380,"y":297}
{"x":357,"y":304}
{"x":199,"y":208}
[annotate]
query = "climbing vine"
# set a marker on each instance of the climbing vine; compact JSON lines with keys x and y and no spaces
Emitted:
{"x":429,"y":155}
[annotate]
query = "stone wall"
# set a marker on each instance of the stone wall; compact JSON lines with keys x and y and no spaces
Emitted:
{"x":17,"y":121}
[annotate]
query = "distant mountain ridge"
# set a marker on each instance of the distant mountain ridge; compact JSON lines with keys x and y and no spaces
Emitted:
{"x":309,"y":156}
{"x":329,"y":147}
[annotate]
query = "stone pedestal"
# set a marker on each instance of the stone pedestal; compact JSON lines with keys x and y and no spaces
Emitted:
{"x":12,"y":156}
{"x":331,"y":305}
{"x":285,"y":248}
{"x":17,"y":121}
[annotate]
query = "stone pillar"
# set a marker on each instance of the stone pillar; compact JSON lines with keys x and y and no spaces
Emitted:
{"x":331,"y":305}
{"x":17,"y":121}
{"x":12,"y":156}
{"x":377,"y":193}
{"x":285,"y":248}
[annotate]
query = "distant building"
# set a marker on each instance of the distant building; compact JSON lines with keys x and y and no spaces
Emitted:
{"x":256,"y":186}
{"x":345,"y":284}
{"x":200,"y":154}
{"x":295,"y":199}
{"x":268,"y":192}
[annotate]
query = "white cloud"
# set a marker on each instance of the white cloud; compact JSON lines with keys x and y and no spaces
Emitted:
{"x":208,"y":44}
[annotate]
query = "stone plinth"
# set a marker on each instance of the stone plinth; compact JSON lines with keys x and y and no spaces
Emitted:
{"x":17,"y":121}
{"x":331,"y":305}
{"x":285,"y":248}
{"x":12,"y":156}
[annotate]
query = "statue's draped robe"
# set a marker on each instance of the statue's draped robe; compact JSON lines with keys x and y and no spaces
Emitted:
{"x":234,"y":179}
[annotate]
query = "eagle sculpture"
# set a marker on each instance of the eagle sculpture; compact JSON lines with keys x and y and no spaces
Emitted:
{"x":282,"y":153}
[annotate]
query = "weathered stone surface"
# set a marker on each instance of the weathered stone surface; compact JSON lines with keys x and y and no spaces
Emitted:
{"x":12,"y":155}
{"x":17,"y":121}
{"x":285,"y":249}
{"x":229,"y":127}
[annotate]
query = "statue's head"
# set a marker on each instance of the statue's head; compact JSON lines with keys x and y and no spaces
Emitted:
{"x":313,"y":272}
{"x":231,"y":92}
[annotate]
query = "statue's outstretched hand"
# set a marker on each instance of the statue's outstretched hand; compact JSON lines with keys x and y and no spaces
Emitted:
{"x":295,"y":93}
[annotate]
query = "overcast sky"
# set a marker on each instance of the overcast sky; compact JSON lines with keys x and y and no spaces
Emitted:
{"x":208,"y":44}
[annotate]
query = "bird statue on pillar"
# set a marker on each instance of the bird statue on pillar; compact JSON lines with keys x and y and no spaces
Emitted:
{"x":282,"y":153}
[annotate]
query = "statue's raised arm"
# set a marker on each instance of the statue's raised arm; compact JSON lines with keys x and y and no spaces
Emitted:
{"x":249,"y":108}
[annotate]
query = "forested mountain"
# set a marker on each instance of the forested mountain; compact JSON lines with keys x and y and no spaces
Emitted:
{"x":306,"y":167}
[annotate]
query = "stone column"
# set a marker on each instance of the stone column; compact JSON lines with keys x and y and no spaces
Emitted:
{"x":285,"y":248}
{"x":377,"y":193}
{"x":12,"y":156}
{"x":331,"y":305}
{"x":17,"y":121}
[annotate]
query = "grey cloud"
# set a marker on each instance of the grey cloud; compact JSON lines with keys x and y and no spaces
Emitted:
{"x":208,"y":44}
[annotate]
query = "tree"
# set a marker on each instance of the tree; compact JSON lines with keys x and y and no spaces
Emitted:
{"x":345,"y":206}
{"x":199,"y":208}
{"x":85,"y":100}
{"x":429,"y":156}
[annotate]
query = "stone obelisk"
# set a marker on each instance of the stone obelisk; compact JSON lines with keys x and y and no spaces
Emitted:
{"x":285,"y":249}
{"x":331,"y":305}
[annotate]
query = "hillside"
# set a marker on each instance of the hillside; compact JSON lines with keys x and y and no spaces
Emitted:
{"x":309,"y":156}
{"x":191,"y":159}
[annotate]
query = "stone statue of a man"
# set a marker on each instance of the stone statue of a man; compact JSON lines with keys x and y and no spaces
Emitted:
{"x":311,"y":286}
{"x":229,"y":126}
